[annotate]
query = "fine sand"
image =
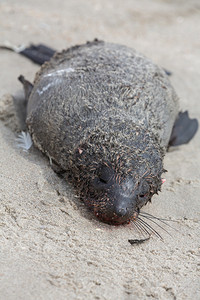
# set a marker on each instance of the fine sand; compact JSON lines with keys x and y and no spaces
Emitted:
{"x":51,"y":247}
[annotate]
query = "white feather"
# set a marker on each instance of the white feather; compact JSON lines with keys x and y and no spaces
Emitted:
{"x":24,"y":141}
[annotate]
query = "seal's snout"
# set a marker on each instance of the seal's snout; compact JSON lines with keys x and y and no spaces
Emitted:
{"x":123,"y":213}
{"x":118,"y":210}
{"x":123,"y":207}
{"x":120,"y":201}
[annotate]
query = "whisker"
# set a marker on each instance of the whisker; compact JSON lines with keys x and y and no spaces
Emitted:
{"x":158,"y":226}
{"x":139,"y":229}
{"x":150,"y":217}
{"x":151,"y":228}
{"x":142,"y":230}
{"x":145,"y":229}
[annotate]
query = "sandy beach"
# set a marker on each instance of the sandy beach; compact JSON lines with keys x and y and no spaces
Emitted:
{"x":51,"y":247}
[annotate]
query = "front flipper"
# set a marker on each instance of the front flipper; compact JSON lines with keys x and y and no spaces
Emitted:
{"x":184,"y":129}
{"x":27,"y":86}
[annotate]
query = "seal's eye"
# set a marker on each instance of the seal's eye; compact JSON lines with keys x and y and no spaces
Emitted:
{"x":103,"y":180}
{"x":143,"y":190}
{"x":143,"y":195}
{"x":104,"y":176}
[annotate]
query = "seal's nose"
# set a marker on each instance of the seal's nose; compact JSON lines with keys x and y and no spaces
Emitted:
{"x":121,"y":212}
{"x":120,"y":204}
{"x":123,"y":207}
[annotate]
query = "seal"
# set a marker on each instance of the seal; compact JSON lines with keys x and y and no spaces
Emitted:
{"x":105,"y":115}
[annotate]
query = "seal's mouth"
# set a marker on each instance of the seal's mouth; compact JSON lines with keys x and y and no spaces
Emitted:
{"x":116,"y":219}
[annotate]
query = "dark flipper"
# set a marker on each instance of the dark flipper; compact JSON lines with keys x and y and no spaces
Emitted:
{"x":184,"y":129}
{"x":27,"y":86}
{"x":38,"y":54}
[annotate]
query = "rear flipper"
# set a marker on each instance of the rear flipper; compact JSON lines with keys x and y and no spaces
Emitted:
{"x":38,"y":54}
{"x":184,"y":129}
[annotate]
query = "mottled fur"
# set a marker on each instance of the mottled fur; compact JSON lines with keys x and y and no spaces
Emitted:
{"x":102,"y":108}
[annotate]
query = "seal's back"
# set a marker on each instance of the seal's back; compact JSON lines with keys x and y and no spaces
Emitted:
{"x":99,"y":85}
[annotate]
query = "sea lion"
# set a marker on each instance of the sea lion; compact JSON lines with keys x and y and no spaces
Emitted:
{"x":104,"y":114}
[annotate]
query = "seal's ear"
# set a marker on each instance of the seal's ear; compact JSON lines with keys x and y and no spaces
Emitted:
{"x":184,"y":129}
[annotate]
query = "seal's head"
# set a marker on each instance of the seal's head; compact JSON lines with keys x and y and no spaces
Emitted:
{"x":117,"y":198}
{"x":116,"y":180}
